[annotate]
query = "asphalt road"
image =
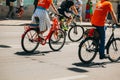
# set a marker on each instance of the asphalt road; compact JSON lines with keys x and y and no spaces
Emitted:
{"x":45,"y":64}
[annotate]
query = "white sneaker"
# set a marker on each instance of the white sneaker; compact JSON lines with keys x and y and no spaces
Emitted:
{"x":41,"y":36}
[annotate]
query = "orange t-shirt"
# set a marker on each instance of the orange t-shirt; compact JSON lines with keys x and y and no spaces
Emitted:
{"x":99,"y":16}
{"x":44,"y":3}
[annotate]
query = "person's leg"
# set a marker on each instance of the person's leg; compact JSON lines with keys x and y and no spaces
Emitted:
{"x":101,"y":31}
{"x":8,"y":14}
{"x":13,"y":12}
{"x":80,"y":14}
{"x":87,"y":16}
{"x":80,"y":18}
{"x":68,"y":17}
{"x":118,"y":17}
{"x":69,"y":20}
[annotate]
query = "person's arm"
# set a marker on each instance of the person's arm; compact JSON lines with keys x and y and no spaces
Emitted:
{"x":114,"y":16}
{"x":53,"y":6}
{"x":74,"y":9}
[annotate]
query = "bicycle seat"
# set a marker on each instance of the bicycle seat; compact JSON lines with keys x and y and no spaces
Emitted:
{"x":92,"y":33}
{"x":34,"y":25}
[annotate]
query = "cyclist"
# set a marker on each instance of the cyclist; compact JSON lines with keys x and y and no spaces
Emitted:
{"x":42,"y":14}
{"x":78,"y":5}
{"x":103,"y":7}
{"x":66,"y":9}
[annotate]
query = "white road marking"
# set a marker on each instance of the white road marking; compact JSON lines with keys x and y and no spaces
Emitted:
{"x":71,"y":77}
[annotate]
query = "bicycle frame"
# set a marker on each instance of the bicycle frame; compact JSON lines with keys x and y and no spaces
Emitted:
{"x":73,"y":22}
{"x":91,"y":45}
{"x":54,"y":27}
{"x":110,"y":39}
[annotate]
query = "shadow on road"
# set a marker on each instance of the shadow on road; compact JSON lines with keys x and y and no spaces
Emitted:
{"x":77,"y":70}
{"x":5,"y":46}
{"x":26,"y":54}
{"x":38,"y":53}
{"x":94,"y":64}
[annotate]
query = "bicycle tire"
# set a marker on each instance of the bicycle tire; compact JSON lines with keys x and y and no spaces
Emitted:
{"x":27,"y":42}
{"x":75,"y":33}
{"x":87,"y":50}
{"x":56,"y":43}
{"x":114,"y":50}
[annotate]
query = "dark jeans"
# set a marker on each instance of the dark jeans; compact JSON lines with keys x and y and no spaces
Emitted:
{"x":118,"y":17}
{"x":11,"y":12}
{"x":101,"y":31}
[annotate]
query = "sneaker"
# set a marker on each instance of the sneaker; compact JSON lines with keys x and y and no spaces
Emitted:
{"x":6,"y":18}
{"x":41,"y":36}
{"x":65,"y":28}
{"x":37,"y":39}
{"x":104,"y":57}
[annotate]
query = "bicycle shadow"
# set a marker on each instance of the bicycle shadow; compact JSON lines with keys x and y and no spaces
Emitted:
{"x":37,"y":53}
{"x":5,"y":46}
{"x":79,"y":70}
{"x":94,"y":64}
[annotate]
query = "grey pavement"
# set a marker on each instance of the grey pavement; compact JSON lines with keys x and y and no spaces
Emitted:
{"x":46,"y":64}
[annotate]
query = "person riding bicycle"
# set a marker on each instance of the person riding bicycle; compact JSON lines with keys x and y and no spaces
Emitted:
{"x":103,"y":7}
{"x":66,"y":8}
{"x":42,"y":14}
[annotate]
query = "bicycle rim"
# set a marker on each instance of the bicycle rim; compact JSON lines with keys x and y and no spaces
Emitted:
{"x":114,"y":50}
{"x":75,"y":33}
{"x":57,"y":40}
{"x":28,"y":42}
{"x":87,"y":50}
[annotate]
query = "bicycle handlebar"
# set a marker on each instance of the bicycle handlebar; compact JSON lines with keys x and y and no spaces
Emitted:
{"x":53,"y":14}
{"x":116,"y":25}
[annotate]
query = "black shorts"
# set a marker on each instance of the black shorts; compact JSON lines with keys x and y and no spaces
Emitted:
{"x":62,"y":12}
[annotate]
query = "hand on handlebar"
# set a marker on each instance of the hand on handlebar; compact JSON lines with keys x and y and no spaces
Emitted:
{"x":77,"y":16}
{"x":116,"y":25}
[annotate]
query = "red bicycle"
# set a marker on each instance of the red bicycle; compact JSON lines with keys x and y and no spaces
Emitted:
{"x":31,"y":39}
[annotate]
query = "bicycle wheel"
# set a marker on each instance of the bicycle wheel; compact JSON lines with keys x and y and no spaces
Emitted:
{"x":114,"y":50}
{"x":29,"y":41}
{"x":75,"y":33}
{"x":57,"y":40}
{"x":87,"y":50}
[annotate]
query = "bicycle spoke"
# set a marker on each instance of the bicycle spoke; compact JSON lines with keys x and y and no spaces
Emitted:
{"x":75,"y":33}
{"x":29,"y":42}
{"x":57,"y":40}
{"x":87,"y":50}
